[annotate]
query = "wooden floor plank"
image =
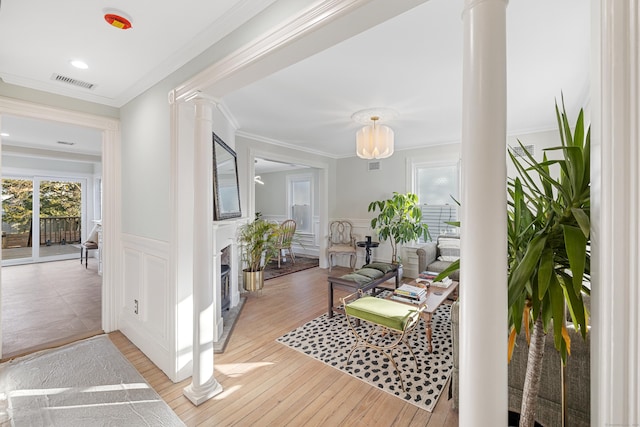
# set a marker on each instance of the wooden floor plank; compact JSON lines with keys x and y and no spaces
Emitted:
{"x":268,"y":384}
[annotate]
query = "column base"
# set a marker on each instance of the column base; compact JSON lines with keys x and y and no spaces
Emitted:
{"x":204,"y":393}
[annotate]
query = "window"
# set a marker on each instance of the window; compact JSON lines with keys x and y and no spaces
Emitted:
{"x":435,"y":185}
{"x":299,"y":201}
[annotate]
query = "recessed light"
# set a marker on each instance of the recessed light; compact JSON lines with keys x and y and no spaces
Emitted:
{"x":79,"y":64}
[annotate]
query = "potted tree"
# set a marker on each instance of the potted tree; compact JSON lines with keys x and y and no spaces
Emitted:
{"x":258,"y":241}
{"x":549,"y":241}
{"x":548,"y":251}
{"x":399,"y":221}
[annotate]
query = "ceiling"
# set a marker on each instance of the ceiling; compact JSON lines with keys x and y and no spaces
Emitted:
{"x":411,"y":64}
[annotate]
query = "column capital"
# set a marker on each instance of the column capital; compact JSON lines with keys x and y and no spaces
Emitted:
{"x":202,"y":98}
{"x":470,"y":4}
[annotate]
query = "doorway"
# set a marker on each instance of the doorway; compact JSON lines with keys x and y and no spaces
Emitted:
{"x":279,"y":203}
{"x":107,"y":131}
{"x":42,"y":219}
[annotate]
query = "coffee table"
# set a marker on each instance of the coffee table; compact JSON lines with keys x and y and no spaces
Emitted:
{"x":435,"y":297}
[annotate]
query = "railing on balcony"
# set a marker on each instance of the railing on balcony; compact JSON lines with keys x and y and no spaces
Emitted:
{"x":60,"y":230}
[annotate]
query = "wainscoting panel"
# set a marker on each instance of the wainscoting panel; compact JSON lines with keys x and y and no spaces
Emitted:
{"x":147,"y":312}
{"x":131,"y":262}
{"x":155,"y":292}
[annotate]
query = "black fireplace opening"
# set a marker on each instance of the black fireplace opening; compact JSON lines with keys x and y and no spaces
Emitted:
{"x":225,"y":288}
{"x":225,"y":278}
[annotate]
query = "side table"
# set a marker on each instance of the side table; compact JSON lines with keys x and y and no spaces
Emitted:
{"x":367,"y":245}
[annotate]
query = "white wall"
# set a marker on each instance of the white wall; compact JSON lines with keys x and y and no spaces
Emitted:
{"x":356,"y":186}
{"x":271,"y":198}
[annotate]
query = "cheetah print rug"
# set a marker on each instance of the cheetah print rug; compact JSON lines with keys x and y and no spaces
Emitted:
{"x":330,"y":340}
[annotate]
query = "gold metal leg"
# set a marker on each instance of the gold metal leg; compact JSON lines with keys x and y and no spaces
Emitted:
{"x":377,"y":333}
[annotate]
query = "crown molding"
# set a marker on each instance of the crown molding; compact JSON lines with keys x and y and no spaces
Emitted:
{"x":302,"y":23}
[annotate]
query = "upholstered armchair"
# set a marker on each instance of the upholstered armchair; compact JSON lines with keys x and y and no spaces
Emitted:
{"x":342,"y":242}
{"x":437,"y":256}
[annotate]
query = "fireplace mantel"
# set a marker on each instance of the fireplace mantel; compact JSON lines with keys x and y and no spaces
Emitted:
{"x":224,"y":235}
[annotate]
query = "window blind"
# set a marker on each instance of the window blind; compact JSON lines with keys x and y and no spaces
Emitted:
{"x":437,"y":216}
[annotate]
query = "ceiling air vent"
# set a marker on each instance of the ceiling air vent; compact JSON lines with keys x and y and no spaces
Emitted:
{"x":72,"y":81}
{"x":520,"y":152}
{"x":373,"y":166}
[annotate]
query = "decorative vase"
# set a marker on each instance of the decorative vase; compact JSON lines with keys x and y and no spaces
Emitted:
{"x":253,"y":280}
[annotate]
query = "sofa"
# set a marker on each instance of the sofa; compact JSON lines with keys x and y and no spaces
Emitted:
{"x":549,"y":410}
{"x":437,"y":256}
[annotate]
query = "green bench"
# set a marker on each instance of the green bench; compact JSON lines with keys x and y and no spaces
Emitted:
{"x":368,"y":278}
{"x":392,"y":321}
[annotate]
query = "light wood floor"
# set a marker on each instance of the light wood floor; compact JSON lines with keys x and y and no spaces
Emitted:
{"x":268,"y":384}
{"x":49,"y":304}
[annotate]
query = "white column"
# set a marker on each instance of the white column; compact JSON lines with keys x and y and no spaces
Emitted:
{"x":203,"y":385}
{"x":483,"y":275}
{"x":615,"y":195}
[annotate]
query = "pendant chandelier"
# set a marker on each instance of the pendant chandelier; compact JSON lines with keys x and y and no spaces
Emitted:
{"x":374,"y":141}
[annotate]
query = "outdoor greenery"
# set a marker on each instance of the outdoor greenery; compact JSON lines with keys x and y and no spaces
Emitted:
{"x":399,"y":221}
{"x":57,"y":198}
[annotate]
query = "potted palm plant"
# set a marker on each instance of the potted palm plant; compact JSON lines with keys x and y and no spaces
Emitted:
{"x":399,"y":221}
{"x":549,"y":256}
{"x":548,"y":251}
{"x":258,"y":241}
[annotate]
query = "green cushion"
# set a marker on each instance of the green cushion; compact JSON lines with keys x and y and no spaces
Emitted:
{"x":382,"y":266}
{"x":355,"y":277}
{"x":391,"y":314}
{"x":371,"y":273}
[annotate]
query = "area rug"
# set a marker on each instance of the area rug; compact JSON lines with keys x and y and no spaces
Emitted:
{"x":87,"y":383}
{"x":302,"y":263}
{"x":329,"y":340}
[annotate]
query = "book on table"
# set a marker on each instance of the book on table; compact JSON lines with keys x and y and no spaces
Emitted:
{"x":411,"y":300}
{"x":445,"y":283}
{"x":410,"y":290}
{"x":409,"y":293}
{"x":428,"y":275}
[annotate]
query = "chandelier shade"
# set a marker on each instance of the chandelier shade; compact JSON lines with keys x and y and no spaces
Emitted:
{"x":374,"y":141}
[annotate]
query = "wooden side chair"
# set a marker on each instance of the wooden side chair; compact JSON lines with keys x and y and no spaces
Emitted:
{"x":90,"y":244}
{"x":342,"y":242}
{"x":393,"y":322}
{"x":287,"y":231}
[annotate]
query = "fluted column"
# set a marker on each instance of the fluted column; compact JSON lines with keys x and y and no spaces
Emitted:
{"x":615,"y":204}
{"x":483,"y":275}
{"x":203,"y":385}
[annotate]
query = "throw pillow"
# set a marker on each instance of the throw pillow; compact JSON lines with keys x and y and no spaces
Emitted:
{"x":449,"y":248}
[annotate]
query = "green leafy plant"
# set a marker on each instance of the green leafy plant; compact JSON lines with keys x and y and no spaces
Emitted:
{"x":548,"y":250}
{"x":549,"y":256}
{"x":258,"y":240}
{"x":399,"y":221}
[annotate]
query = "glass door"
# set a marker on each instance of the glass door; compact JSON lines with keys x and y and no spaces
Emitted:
{"x":60,"y":219}
{"x":54,"y":206}
{"x":17,"y":220}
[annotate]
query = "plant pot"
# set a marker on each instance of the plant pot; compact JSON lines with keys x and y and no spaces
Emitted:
{"x":514,"y":420}
{"x":400,"y":269}
{"x":253,"y":280}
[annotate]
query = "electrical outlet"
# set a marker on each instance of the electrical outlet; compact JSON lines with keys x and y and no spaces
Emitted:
{"x":135,"y":306}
